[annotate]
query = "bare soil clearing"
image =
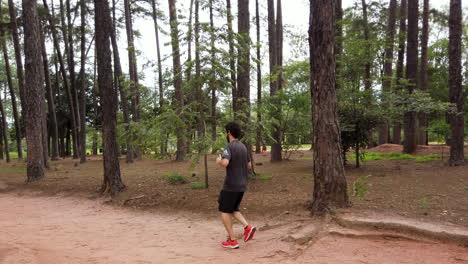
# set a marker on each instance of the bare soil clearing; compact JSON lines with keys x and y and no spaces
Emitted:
{"x":43,"y":230}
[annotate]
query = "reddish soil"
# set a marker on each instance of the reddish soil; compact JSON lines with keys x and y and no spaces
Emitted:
{"x":43,"y":230}
{"x":428,"y":191}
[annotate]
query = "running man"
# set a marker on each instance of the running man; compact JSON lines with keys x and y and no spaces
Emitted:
{"x":236,"y":160}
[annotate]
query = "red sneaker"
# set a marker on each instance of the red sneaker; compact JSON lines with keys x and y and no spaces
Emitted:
{"x":230,"y":244}
{"x":249,"y":232}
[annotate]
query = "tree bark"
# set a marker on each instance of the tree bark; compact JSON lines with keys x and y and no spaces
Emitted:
{"x":13,"y":100}
{"x":232,"y":59}
{"x":400,"y":65}
{"x":243,"y":66}
{"x":112,"y":179}
{"x":121,"y":89}
{"x":82,"y":95}
{"x":213,"y":74}
{"x":410,"y":120}
{"x":158,"y":51}
{"x":34,"y":89}
{"x":388,"y":73}
{"x":19,"y":69}
{"x":259,"y":82}
{"x":71,"y":69}
{"x":4,"y":127}
{"x":177,"y":70}
{"x":423,"y":78}
{"x":132,"y":64}
{"x":338,"y":40}
{"x":367,"y":71}
{"x":329,"y":176}
{"x":50,"y":102}
{"x":455,"y":84}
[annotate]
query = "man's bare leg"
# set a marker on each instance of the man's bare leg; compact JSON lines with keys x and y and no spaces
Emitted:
{"x":227,"y":221}
{"x":240,"y":218}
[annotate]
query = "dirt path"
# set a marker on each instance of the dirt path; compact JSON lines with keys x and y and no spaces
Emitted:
{"x":44,"y":230}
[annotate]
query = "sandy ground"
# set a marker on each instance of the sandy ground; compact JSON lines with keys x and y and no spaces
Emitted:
{"x":45,"y":230}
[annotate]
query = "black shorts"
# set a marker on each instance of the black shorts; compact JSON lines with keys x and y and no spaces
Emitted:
{"x":229,"y":201}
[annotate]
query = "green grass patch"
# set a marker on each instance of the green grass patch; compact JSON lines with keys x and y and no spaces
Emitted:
{"x":264,"y":176}
{"x":399,"y":156}
{"x":427,"y":158}
{"x":198,"y":185}
{"x":12,"y":169}
{"x":176,"y":178}
{"x":424,"y":202}
{"x":466,"y":188}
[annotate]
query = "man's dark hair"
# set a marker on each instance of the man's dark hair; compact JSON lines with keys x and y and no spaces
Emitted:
{"x":234,"y":129}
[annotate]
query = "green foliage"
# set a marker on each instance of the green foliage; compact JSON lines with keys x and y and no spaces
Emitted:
{"x":399,"y":156}
{"x":428,"y":158}
{"x":360,"y":187}
{"x":264,"y":176}
{"x":370,"y":156}
{"x":466,"y":188}
{"x":176,"y":178}
{"x":12,"y":169}
{"x":439,"y":129}
{"x":198,"y":185}
{"x":424,"y":202}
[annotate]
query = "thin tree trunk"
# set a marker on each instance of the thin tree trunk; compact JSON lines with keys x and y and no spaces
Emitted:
{"x":34,"y":89}
{"x":82,"y":96}
{"x":423,"y":78}
{"x":112,"y":179}
{"x":198,"y":89}
{"x":188,"y":71}
{"x":232,"y":59}
{"x":19,"y":70}
{"x":276,"y":147}
{"x":132,"y":63}
{"x":455,"y":84}
{"x":367,"y":71}
{"x":410,"y":120}
{"x":66,"y":85}
{"x":50,"y":102}
{"x":213,"y":75}
{"x":400,"y":65}
{"x":4,"y":128}
{"x":387,"y":81}
{"x":13,"y":97}
{"x":158,"y":51}
{"x":243,"y":66}
{"x":329,"y":176}
{"x":177,"y":70}
{"x":259,"y":82}
{"x":121,"y":89}
{"x":71,"y":69}
{"x":95,"y":107}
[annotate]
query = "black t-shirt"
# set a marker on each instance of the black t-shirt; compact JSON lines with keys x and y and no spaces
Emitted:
{"x":237,"y":172}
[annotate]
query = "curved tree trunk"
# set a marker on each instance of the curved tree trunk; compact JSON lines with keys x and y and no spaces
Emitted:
{"x":388,"y":73}
{"x":177,"y":70}
{"x":410,"y":120}
{"x":455,"y":84}
{"x":329,"y":176}
{"x":34,"y":89}
{"x":19,"y":70}
{"x":112,"y":179}
{"x":400,"y":65}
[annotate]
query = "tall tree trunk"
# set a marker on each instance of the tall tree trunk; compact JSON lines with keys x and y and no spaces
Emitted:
{"x":34,"y":89}
{"x":158,"y":51}
{"x":423,"y":78}
{"x":388,"y":73}
{"x":338,"y":40}
{"x":177,"y":70}
{"x":213,"y":74}
{"x":71,"y":69}
{"x":4,"y":128}
{"x":13,"y":98}
{"x":188,"y":71}
{"x":132,"y":63}
{"x":329,"y":176}
{"x":121,"y":89}
{"x":400,"y":64}
{"x":243,"y":67}
{"x":367,"y":71}
{"x":71,"y":105}
{"x":410,"y":120}
{"x":50,"y":102}
{"x":259,"y":82}
{"x":112,"y":179}
{"x":82,"y":96}
{"x":198,"y":89}
{"x":95,"y":108}
{"x":455,"y":84}
{"x":232,"y":59}
{"x":19,"y":69}
{"x":273,"y":50}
